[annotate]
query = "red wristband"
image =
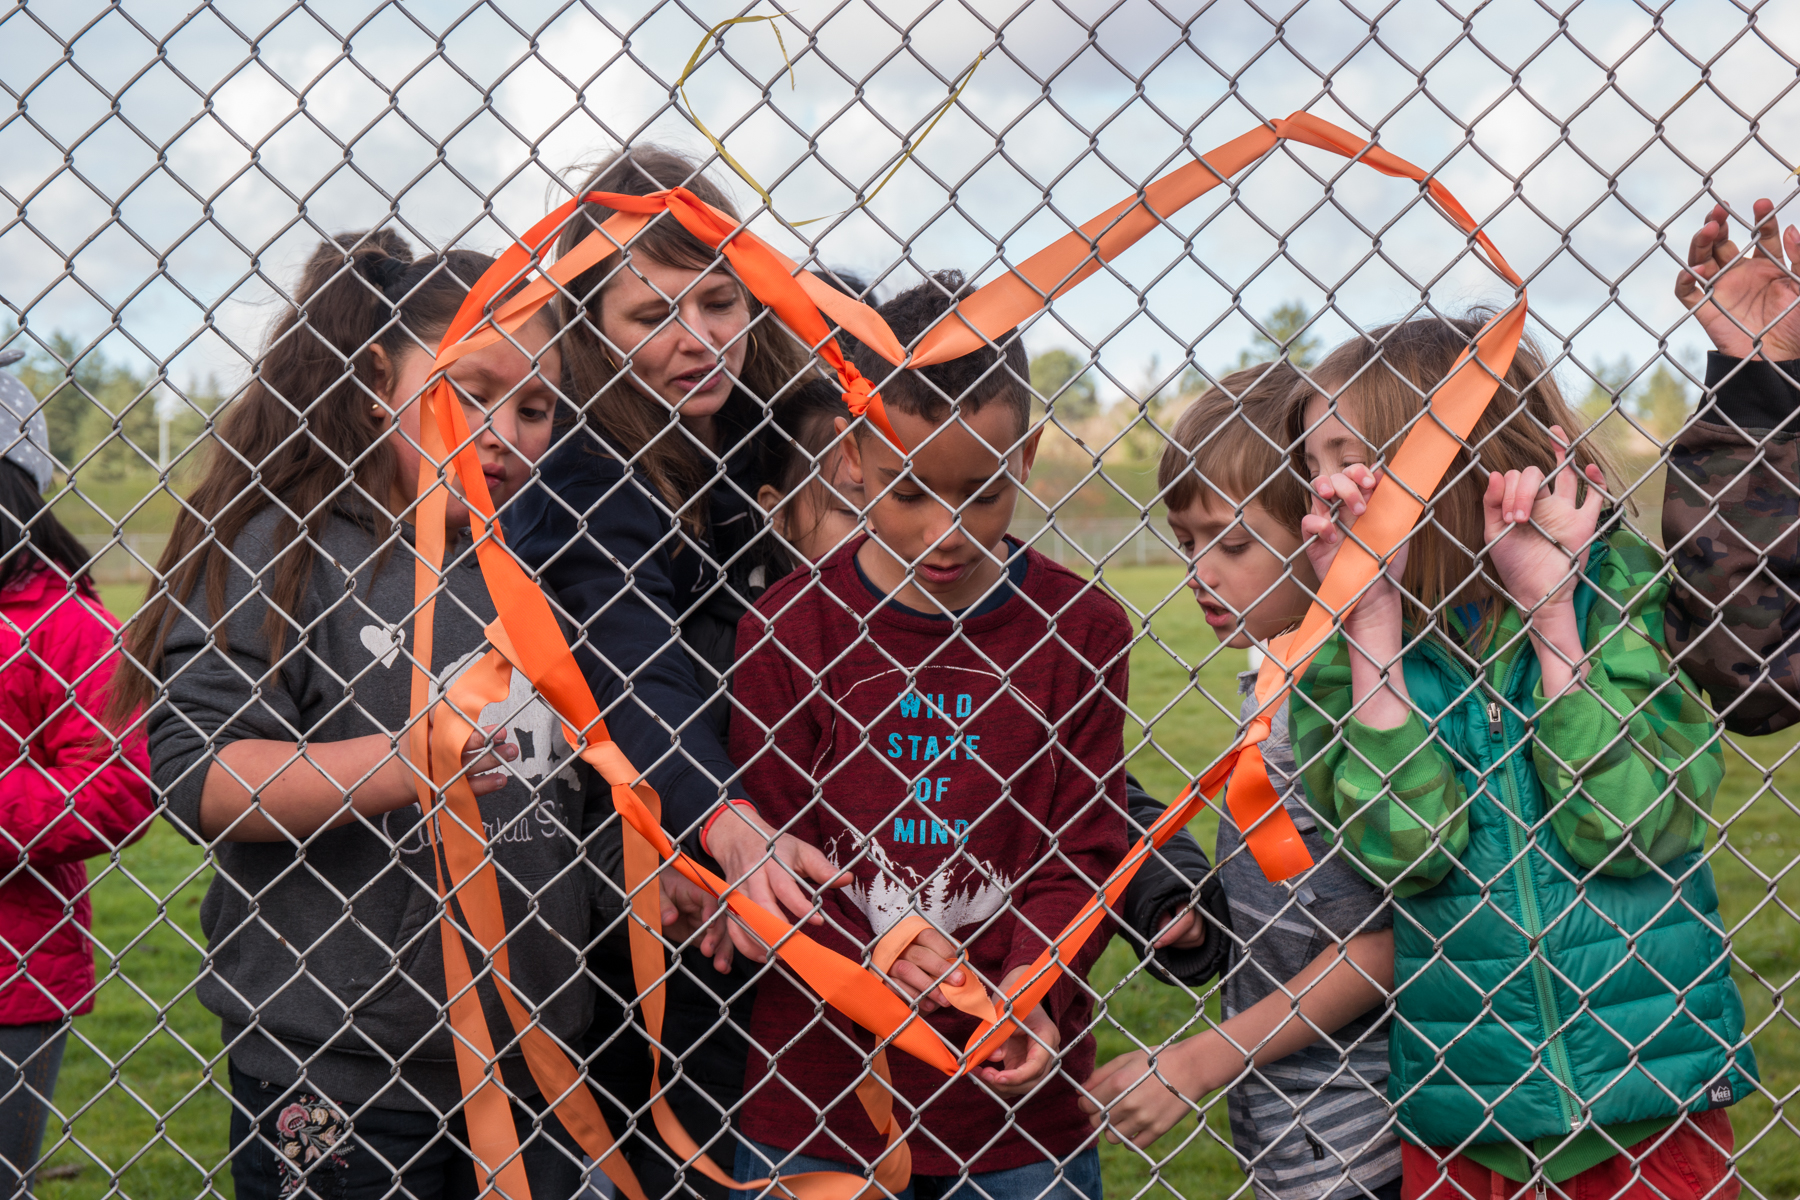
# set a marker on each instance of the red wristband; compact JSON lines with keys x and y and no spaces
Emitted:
{"x":717,"y":813}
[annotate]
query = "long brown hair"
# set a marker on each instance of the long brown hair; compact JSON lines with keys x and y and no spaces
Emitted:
{"x":639,"y":427}
{"x":1381,"y":382}
{"x":304,"y":431}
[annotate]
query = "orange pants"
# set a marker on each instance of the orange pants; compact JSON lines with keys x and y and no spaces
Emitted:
{"x":1690,"y":1160}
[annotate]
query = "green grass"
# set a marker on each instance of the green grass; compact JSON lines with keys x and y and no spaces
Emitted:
{"x":135,"y":1082}
{"x":121,"y":599}
{"x":1184,"y":691}
{"x":136,"y":1087}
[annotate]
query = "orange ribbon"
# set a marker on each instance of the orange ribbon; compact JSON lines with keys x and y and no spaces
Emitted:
{"x":969,"y":996}
{"x":527,"y":636}
{"x":466,"y":873}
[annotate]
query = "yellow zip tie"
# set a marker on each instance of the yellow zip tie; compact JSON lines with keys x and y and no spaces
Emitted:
{"x":963,"y":82}
{"x":687,"y":110}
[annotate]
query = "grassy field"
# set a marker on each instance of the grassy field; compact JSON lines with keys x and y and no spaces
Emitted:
{"x":137,"y":1090}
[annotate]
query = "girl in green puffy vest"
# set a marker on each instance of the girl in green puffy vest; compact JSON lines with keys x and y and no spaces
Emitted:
{"x":1497,"y":734}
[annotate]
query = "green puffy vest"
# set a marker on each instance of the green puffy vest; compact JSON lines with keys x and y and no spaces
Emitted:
{"x":1532,"y":991}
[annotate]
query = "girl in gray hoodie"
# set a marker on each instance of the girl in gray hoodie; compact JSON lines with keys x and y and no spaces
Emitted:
{"x":280,"y":636}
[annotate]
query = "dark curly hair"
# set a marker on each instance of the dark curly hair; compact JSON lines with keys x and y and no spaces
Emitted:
{"x":998,"y":373}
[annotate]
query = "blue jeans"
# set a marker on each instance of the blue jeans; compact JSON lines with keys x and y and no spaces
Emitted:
{"x":1076,"y":1179}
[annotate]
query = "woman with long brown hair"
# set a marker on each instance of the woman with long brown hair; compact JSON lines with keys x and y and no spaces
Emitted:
{"x":274,"y":662}
{"x":646,"y":527}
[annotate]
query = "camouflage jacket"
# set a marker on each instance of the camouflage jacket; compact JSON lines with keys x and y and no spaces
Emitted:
{"x":1731,"y":522}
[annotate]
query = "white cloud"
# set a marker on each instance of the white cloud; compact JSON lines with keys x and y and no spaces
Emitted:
{"x":226,"y":160}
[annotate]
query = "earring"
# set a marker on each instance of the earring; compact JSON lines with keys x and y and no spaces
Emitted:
{"x":752,"y":351}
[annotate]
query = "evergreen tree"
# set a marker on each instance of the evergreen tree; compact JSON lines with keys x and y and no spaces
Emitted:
{"x":91,"y":401}
{"x":119,"y":427}
{"x":69,"y":380}
{"x":1610,"y":384}
{"x":1051,"y":371}
{"x":1662,"y":406}
{"x":1285,"y":327}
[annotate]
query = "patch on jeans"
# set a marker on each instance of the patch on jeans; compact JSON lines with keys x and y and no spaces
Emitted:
{"x":307,"y":1132}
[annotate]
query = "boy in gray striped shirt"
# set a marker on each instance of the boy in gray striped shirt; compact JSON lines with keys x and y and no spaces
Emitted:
{"x":1304,"y":1043}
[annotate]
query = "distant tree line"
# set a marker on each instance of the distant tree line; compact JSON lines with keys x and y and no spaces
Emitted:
{"x":1655,"y":404}
{"x":102,"y":412}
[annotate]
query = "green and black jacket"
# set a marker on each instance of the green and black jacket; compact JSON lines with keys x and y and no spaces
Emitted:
{"x":1559,"y":964}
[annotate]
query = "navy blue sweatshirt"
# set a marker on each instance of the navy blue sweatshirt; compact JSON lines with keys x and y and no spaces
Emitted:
{"x":602,"y":540}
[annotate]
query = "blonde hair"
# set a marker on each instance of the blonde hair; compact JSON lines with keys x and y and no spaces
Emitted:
{"x":1232,"y":442}
{"x":1379,"y":385}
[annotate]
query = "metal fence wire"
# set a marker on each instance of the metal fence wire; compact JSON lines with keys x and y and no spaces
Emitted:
{"x":320,"y":880}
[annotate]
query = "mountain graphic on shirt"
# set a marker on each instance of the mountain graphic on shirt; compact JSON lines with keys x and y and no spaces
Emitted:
{"x":897,"y":890}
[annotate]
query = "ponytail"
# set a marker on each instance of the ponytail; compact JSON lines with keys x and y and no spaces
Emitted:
{"x":306,"y":431}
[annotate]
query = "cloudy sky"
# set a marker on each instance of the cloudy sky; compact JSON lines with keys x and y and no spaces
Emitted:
{"x":164,"y":169}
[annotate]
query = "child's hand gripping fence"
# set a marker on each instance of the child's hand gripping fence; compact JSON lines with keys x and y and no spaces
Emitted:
{"x":527,"y":637}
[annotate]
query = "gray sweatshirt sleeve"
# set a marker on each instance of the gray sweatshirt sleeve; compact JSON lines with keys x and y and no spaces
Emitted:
{"x":218,"y":694}
{"x":1174,"y":878}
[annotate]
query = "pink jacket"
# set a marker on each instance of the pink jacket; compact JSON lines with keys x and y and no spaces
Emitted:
{"x":66,"y":793}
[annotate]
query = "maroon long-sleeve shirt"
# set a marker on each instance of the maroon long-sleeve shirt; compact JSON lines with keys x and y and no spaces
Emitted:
{"x":972,"y":776}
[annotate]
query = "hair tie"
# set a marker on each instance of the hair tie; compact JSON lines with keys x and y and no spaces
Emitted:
{"x":385,"y":272}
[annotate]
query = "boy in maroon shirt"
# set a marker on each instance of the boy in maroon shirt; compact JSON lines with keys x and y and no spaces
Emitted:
{"x":942,"y":713}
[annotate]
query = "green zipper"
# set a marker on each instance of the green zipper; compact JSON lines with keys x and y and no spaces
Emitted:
{"x":1556,"y":1052}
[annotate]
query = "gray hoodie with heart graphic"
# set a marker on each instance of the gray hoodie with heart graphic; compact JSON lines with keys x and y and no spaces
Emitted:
{"x":324,"y":957}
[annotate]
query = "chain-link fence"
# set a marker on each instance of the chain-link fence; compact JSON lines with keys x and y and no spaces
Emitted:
{"x":1497,"y":897}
